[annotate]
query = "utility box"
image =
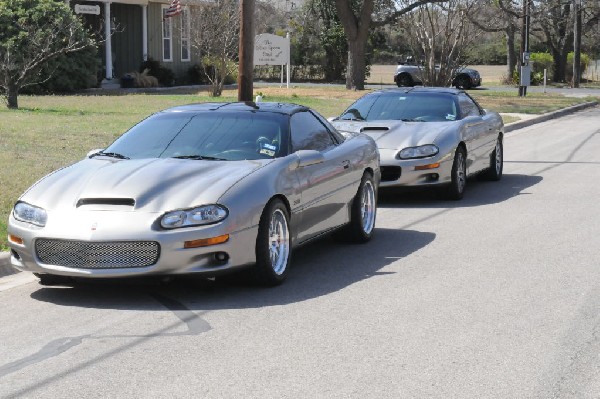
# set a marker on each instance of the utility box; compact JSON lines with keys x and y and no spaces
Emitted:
{"x":525,"y":78}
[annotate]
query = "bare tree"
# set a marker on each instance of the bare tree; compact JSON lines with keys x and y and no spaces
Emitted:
{"x":32,"y":33}
{"x":358,"y":17}
{"x":554,"y":22}
{"x":215,"y":33}
{"x":500,"y":16}
{"x":441,"y":34}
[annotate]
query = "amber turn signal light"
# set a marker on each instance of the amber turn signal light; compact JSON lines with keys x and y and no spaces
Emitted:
{"x":205,"y":242}
{"x":15,"y":240}
{"x":429,"y":166}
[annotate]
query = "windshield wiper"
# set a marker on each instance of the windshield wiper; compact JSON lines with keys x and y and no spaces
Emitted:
{"x":412,"y":120}
{"x":109,"y":154}
{"x":200,"y":157}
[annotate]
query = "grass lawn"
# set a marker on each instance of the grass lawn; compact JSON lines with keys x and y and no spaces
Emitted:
{"x":49,"y":132}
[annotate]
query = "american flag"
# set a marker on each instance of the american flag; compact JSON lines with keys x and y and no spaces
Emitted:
{"x":174,"y":9}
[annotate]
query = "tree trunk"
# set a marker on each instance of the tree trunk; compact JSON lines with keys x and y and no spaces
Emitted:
{"x":11,"y":97}
{"x":560,"y":64}
{"x":511,"y":54}
{"x":355,"y":75}
{"x":356,"y":29}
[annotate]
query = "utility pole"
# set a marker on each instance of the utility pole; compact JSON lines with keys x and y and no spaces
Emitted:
{"x":246,"y":51}
{"x":577,"y":44}
{"x":525,"y":72}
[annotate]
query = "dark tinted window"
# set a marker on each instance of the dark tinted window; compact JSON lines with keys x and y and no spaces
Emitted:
{"x":467,"y":106}
{"x":227,"y":135}
{"x":308,"y":133}
{"x":337,"y":136}
{"x":426,"y":107}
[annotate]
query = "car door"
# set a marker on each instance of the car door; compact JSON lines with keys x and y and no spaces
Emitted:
{"x":476,"y":133}
{"x":323,"y":198}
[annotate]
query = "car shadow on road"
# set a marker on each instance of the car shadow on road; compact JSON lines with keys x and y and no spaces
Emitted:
{"x":478,"y":192}
{"x":317,"y":269}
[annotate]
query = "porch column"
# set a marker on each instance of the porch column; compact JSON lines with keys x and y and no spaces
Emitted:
{"x":145,"y":32}
{"x":107,"y":41}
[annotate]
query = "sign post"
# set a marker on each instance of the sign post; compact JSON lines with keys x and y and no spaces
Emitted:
{"x":273,"y":50}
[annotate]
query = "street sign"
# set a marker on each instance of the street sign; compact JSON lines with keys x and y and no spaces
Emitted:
{"x":87,"y":9}
{"x":271,"y":50}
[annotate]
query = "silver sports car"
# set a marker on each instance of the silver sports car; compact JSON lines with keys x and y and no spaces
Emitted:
{"x":429,"y":136}
{"x":201,"y":188}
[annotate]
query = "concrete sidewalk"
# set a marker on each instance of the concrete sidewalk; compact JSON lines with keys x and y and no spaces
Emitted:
{"x":527,"y":120}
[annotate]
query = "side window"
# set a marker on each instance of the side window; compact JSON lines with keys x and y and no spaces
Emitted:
{"x":467,"y":106}
{"x":337,"y":136}
{"x":308,"y":133}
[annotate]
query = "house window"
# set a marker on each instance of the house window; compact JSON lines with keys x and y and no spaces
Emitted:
{"x":167,"y":35}
{"x":185,"y":34}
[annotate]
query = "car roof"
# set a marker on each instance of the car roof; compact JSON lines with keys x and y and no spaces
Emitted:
{"x":420,"y":89}
{"x":249,"y":106}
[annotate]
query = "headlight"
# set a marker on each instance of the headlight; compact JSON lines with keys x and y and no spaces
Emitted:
{"x":30,"y":214}
{"x":206,"y":214}
{"x":423,"y":151}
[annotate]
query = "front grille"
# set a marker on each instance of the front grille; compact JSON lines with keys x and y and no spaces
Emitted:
{"x":390,"y":173}
{"x":97,"y":255}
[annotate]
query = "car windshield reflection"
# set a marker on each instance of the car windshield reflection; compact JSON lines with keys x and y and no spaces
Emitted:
{"x":209,"y":135}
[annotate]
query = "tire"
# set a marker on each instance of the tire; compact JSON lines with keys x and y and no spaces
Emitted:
{"x":458,"y":183}
{"x":362,"y":213}
{"x":405,"y":79}
{"x":462,"y":82}
{"x":273,"y":245}
{"x":51,"y":279}
{"x":494,"y":173}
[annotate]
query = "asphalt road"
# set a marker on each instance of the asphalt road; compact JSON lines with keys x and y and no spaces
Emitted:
{"x":495,"y":296}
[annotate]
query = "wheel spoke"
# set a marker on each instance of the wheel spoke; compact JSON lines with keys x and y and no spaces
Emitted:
{"x":278,"y":241}
{"x":367,"y":207}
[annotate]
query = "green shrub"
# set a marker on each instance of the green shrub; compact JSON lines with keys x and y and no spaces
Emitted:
{"x":196,"y":75}
{"x":68,"y":73}
{"x":584,"y":62}
{"x":540,"y":62}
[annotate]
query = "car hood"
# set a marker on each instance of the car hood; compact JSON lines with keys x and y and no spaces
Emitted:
{"x":150,"y":185}
{"x":397,"y":134}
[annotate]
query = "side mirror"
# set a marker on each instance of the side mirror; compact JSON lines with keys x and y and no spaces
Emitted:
{"x":309,"y":157}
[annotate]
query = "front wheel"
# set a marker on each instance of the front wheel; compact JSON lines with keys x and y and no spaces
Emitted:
{"x":273,"y":244}
{"x":405,"y":80}
{"x":458,"y":182}
{"x":363,"y":212}
{"x":463,"y":82}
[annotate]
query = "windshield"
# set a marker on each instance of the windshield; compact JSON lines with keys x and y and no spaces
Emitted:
{"x":210,"y":135}
{"x":413,"y":107}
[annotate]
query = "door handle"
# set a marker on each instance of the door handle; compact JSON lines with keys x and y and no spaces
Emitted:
{"x":346,"y":164}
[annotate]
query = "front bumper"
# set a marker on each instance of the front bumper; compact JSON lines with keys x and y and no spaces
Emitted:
{"x":405,"y":173}
{"x":108,"y":227}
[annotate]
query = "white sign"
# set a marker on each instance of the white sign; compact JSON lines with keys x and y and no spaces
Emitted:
{"x":271,"y":50}
{"x":87,"y":9}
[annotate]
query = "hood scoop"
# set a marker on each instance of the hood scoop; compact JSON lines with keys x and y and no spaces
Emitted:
{"x":106,"y":202}
{"x":374,"y":129}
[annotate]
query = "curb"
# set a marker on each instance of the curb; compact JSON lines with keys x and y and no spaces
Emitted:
{"x":550,"y":115}
{"x":6,"y":269}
